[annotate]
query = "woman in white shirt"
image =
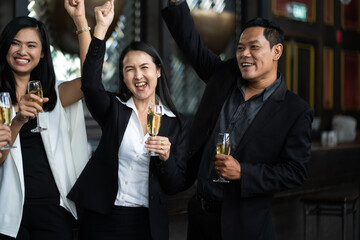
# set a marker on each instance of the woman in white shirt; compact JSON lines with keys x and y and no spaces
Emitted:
{"x":123,"y":191}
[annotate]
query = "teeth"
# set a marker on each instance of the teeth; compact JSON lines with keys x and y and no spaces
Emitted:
{"x":140,"y":84}
{"x":22,"y":60}
{"x":247,"y":64}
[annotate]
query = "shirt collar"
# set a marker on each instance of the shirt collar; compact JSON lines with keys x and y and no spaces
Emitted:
{"x":241,"y":83}
{"x":270,"y":89}
{"x":130,"y":104}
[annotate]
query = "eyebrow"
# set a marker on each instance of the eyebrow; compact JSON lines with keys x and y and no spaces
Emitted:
{"x":32,"y":42}
{"x":251,"y":42}
{"x":141,"y":65}
{"x":128,"y":66}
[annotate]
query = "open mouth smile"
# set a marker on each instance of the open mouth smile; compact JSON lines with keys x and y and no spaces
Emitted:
{"x":247,"y":64}
{"x":22,"y":61}
{"x":141,"y":85}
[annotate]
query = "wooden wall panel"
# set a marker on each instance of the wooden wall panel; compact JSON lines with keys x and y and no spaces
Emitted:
{"x":350,"y":15}
{"x":350,"y":80}
{"x":304,"y":72}
{"x":329,"y":12}
{"x":328,"y":83}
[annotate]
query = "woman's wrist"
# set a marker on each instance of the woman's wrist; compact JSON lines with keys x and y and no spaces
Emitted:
{"x":100,"y":32}
{"x":19,"y":121}
{"x":80,"y":23}
{"x":82,"y":30}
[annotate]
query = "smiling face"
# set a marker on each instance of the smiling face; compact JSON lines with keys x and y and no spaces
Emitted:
{"x":256,"y":60}
{"x":140,"y":74}
{"x":25,"y":52}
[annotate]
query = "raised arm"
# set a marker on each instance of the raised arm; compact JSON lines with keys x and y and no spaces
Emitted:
{"x":104,"y":16}
{"x":76,"y":10}
{"x":182,"y":28}
{"x":70,"y":91}
{"x":96,"y":97}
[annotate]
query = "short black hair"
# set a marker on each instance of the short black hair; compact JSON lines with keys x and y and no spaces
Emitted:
{"x":272,"y":32}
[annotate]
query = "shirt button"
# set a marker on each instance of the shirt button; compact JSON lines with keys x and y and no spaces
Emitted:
{"x":126,"y":182}
{"x":122,"y":197}
{"x":137,"y":155}
{"x":131,"y":168}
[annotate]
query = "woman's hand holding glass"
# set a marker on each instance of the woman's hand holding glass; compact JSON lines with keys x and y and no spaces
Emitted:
{"x":5,"y":136}
{"x":29,"y":108}
{"x":159,"y":145}
{"x":36,"y":95}
{"x":153,"y":122}
{"x":6,"y":111}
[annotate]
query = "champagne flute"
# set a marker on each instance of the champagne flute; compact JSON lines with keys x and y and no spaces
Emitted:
{"x":34,"y":87}
{"x":223,"y":146}
{"x":154,"y":122}
{"x":6,"y":113}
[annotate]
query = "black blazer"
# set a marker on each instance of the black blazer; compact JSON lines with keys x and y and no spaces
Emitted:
{"x":274,"y":151}
{"x":97,"y":185}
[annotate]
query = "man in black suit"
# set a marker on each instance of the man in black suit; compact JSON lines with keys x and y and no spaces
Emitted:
{"x":270,"y":131}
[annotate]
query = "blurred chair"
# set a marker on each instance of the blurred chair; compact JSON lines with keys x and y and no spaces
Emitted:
{"x":338,"y":204}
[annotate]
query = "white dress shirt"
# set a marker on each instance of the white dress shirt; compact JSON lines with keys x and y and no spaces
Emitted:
{"x":133,"y":173}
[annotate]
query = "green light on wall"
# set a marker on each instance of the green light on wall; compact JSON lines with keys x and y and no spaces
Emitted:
{"x":297,"y":11}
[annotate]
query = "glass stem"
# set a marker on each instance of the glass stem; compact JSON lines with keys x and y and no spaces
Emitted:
{"x":37,"y":120}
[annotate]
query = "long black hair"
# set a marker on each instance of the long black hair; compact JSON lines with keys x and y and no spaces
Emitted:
{"x":162,"y":89}
{"x":44,"y":71}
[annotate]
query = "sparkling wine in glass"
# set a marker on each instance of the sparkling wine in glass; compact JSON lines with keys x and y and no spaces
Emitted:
{"x":6,"y":113}
{"x":34,"y":87}
{"x":154,"y":122}
{"x":223,"y":146}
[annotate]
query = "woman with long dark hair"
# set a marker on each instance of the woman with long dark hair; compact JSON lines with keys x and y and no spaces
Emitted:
{"x":122,"y":190}
{"x":36,"y":176}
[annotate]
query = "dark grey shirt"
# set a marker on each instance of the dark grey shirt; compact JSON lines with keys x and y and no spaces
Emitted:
{"x":235,"y":117}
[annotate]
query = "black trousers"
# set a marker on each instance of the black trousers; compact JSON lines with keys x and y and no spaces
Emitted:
{"x":125,"y":223}
{"x":44,"y":222}
{"x":204,"y":222}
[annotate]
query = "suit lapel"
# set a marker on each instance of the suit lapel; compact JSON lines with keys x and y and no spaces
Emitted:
{"x":266,"y":113}
{"x":216,"y":92}
{"x":123,"y":117}
{"x":164,"y":128}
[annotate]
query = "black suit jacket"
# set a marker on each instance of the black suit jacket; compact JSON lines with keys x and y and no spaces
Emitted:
{"x":274,"y":151}
{"x":97,"y":186}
